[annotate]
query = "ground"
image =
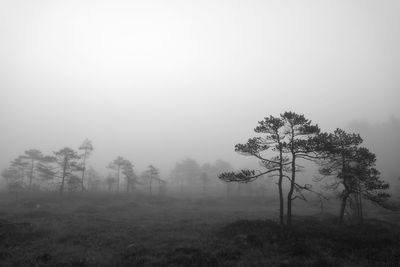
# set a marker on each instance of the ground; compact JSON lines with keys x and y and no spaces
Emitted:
{"x":133,"y":230}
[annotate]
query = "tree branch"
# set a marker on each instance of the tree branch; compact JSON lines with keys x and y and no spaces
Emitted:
{"x":244,"y":176}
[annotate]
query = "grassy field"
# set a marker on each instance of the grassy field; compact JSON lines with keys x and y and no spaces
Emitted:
{"x":118,"y":230}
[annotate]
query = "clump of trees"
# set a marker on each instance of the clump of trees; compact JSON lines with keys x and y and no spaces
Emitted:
{"x":151,"y":178}
{"x":185,"y":174}
{"x":122,"y":166}
{"x":189,"y":176}
{"x":33,"y":168}
{"x":287,"y":139}
{"x":14,"y":180}
{"x":25,"y":165}
{"x":66,"y":169}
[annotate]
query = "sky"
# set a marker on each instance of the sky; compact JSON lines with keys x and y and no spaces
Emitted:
{"x":159,"y":81}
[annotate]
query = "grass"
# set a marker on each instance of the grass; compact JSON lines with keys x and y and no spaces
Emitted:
{"x":111,"y":230}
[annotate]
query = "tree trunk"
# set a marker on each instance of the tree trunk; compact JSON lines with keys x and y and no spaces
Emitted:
{"x":290,"y":194}
{"x":151,"y":180}
{"x":343,"y":207}
{"x":345,"y":192}
{"x":280,"y":185}
{"x":83,"y":170}
{"x":31,"y":175}
{"x":361,"y":208}
{"x":64,"y":173}
{"x":281,"y":203}
{"x":118,"y":179}
{"x":62,"y":184}
{"x":359,"y":203}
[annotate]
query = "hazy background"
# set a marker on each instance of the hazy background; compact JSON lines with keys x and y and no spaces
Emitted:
{"x":159,"y":81}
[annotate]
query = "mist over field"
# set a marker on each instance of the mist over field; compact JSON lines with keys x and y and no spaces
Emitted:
{"x":120,"y":119}
{"x":158,"y":82}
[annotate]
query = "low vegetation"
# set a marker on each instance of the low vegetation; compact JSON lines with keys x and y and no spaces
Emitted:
{"x":127,"y":230}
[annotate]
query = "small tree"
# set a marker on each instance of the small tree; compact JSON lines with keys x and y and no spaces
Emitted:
{"x":27,"y":164}
{"x":285,"y":139}
{"x":62,"y":165}
{"x":66,"y":160}
{"x":14,"y":180}
{"x":272,"y":141}
{"x":22,"y":166}
{"x":130,"y":176}
{"x":354,"y":170}
{"x":34,"y":157}
{"x":116,"y":165}
{"x":152,"y":173}
{"x":87,"y":148}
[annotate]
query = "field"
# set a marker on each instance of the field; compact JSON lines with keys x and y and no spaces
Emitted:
{"x":121,"y":230}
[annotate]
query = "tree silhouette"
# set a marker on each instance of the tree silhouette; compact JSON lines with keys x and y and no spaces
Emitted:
{"x":130,"y":176}
{"x":299,"y":136}
{"x":62,"y":165}
{"x":14,"y":180}
{"x":152,"y":173}
{"x":27,"y":164}
{"x":87,"y":148}
{"x":67,"y":161}
{"x":284,"y":139}
{"x":116,"y":165}
{"x":33,"y":156}
{"x":272,"y":140}
{"x":354,"y":169}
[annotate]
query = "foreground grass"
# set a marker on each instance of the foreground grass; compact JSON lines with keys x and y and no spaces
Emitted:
{"x":107,"y":230}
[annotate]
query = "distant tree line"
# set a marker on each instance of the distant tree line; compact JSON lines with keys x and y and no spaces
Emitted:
{"x":63,"y":169}
{"x":189,"y":176}
{"x":66,"y":170}
{"x":289,"y":139}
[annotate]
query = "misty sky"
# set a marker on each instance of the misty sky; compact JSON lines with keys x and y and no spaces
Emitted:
{"x":159,"y":81}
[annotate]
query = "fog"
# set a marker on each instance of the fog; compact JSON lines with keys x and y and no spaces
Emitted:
{"x":160,"y":81}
